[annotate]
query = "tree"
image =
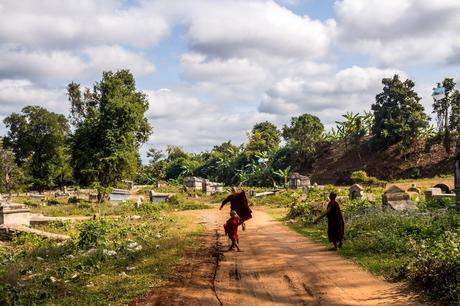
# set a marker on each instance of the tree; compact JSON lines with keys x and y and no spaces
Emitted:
{"x":398,"y":113}
{"x":447,"y":112}
{"x":10,"y":174}
{"x":39,"y":140}
{"x":110,"y":125}
{"x":264,"y":137}
{"x":305,"y":132}
{"x":302,"y":137}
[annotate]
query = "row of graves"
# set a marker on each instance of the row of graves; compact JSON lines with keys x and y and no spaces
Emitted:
{"x":398,"y":199}
{"x":203,"y":185}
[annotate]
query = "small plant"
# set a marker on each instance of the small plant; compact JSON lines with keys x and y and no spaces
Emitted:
{"x":73,"y":200}
{"x":361,"y":177}
{"x":92,"y":232}
{"x":415,"y":173}
{"x":53,"y":202}
{"x":175,"y":200}
{"x":438,"y":203}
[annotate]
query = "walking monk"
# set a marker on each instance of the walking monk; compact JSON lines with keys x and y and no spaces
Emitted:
{"x":335,"y":223}
{"x":238,"y":203}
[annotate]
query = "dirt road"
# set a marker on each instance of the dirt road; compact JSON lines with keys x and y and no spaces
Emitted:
{"x":276,"y":267}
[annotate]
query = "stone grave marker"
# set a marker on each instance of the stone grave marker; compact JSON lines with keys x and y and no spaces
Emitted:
{"x":356,"y":191}
{"x":397,"y":199}
{"x":296,"y":180}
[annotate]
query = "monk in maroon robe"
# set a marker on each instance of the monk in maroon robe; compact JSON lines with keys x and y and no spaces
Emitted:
{"x":239,"y":203}
{"x":335,"y":223}
{"x":231,"y":230}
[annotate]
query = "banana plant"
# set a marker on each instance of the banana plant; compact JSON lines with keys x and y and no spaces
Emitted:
{"x":283,"y":174}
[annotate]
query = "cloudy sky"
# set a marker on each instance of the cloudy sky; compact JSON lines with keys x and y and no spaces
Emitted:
{"x":213,"y":68}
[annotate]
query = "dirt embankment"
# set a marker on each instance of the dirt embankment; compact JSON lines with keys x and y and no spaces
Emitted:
{"x":336,"y":163}
{"x":276,"y":267}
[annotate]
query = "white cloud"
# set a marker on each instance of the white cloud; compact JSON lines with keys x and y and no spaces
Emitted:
{"x":195,"y":124}
{"x":15,"y":94}
{"x":401,"y":31}
{"x":89,"y":63}
{"x":254,"y":29}
{"x":69,"y":24}
{"x":351,"y":89}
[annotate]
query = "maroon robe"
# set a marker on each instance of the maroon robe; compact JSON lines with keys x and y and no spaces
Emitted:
{"x":231,"y":228}
{"x":239,"y":203}
{"x":335,"y":223}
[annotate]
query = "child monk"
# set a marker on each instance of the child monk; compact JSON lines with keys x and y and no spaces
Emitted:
{"x":239,"y":203}
{"x":231,"y":229}
{"x":335,"y":223}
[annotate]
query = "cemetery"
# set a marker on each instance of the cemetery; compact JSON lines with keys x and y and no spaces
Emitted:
{"x":275,"y":152}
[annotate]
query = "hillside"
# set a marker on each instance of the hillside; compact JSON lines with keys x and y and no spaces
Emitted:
{"x":335,"y":164}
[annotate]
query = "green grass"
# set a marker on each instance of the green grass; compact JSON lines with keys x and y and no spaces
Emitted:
{"x":33,"y":270}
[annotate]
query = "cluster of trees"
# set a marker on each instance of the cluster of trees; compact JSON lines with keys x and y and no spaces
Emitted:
{"x":98,"y":144}
{"x":396,"y":117}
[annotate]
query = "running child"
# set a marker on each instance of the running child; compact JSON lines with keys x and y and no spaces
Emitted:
{"x":231,"y":229}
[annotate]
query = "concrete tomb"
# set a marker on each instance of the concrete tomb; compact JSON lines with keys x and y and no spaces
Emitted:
{"x":203,"y":185}
{"x":356,"y":191}
{"x":193,"y":182}
{"x":437,"y":193}
{"x":156,"y":197}
{"x":11,"y":213}
{"x":443,"y":187}
{"x":295,"y":180}
{"x":397,"y":199}
{"x":210,"y":188}
{"x":38,"y":197}
{"x":119,"y":195}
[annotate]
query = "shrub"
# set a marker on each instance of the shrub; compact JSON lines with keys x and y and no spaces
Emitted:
{"x":92,"y":232}
{"x":53,"y":202}
{"x":415,"y":173}
{"x":438,"y":203}
{"x":436,"y":266}
{"x":31,"y":203}
{"x":73,"y":200}
{"x":361,"y":177}
{"x":175,"y":200}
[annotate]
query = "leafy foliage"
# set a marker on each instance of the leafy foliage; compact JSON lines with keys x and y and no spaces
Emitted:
{"x":110,"y":125}
{"x":10,"y":174}
{"x":39,"y":140}
{"x":399,"y":115}
{"x":264,"y":137}
{"x":447,"y":112}
{"x":302,"y":136}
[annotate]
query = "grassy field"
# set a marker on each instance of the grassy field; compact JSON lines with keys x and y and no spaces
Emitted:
{"x":108,"y":261}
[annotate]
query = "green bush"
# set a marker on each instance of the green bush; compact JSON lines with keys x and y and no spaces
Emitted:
{"x":361,"y":177}
{"x":31,"y":203}
{"x":73,"y":200}
{"x":436,"y":266}
{"x":175,"y":200}
{"x":53,"y":202}
{"x":437,"y":203}
{"x":93,"y":232}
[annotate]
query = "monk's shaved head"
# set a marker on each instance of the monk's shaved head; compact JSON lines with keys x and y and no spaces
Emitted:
{"x":332,"y":195}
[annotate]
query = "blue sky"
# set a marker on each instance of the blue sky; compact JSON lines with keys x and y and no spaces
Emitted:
{"x":212,"y":69}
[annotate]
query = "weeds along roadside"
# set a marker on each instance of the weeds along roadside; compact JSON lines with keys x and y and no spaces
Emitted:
{"x":109,"y":260}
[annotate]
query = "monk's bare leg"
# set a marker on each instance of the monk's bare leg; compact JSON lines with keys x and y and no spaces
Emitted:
{"x":237,"y":246}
